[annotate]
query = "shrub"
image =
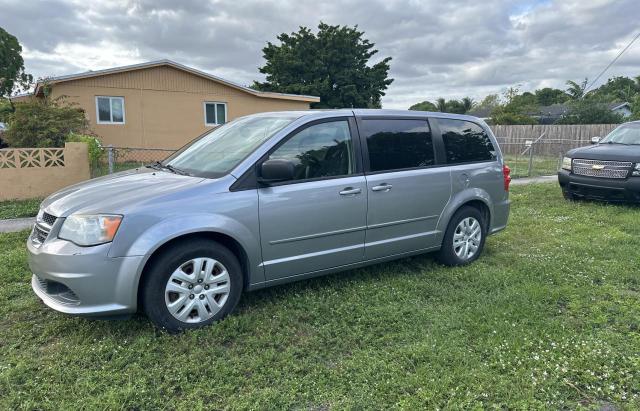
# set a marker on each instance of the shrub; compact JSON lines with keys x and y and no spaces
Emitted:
{"x":585,"y":111}
{"x":43,"y":123}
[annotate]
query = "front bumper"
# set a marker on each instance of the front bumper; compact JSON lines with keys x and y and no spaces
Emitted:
{"x":83,"y":280}
{"x":597,"y":188}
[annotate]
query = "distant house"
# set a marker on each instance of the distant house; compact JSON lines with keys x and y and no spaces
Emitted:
{"x":621,"y":108}
{"x":161,"y":104}
{"x":551,"y":114}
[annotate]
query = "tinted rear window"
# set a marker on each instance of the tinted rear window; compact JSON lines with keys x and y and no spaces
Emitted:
{"x":396,"y":144}
{"x":465,"y":142}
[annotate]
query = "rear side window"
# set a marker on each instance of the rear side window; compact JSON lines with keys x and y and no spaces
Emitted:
{"x":396,"y":144}
{"x":465,"y":142}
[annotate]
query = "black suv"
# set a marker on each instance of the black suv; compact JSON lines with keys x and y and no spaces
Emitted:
{"x":608,"y":170}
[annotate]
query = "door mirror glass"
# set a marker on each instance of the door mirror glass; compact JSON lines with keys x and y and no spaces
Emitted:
{"x":276,"y":170}
{"x":595,"y":140}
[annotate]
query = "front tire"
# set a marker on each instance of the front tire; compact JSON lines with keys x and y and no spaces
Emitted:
{"x":191,"y":285}
{"x":464,"y":239}
{"x":567,"y":195}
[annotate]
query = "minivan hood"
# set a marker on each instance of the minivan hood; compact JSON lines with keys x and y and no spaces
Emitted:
{"x":612,"y":152}
{"x":115,"y":193}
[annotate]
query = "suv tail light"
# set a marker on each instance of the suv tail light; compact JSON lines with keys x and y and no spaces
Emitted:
{"x":506,"y":174}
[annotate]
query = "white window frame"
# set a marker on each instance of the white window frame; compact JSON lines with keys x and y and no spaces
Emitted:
{"x":204,"y":108}
{"x":98,"y":121}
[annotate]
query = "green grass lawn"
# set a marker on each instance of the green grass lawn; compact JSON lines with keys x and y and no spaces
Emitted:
{"x":19,"y":208}
{"x":540,"y":166}
{"x":548,"y":318}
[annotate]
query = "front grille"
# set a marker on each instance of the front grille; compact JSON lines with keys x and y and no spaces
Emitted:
{"x":58,"y":291}
{"x":48,"y":219}
{"x":42,"y":228}
{"x":601,"y":168}
{"x":39,"y":234}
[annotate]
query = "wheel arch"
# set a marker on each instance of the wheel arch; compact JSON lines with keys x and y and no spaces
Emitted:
{"x":226,"y":240}
{"x":476,"y":198}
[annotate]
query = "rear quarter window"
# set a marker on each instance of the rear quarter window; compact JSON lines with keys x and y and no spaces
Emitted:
{"x":465,"y":142}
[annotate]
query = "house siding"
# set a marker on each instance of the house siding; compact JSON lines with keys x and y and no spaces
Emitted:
{"x":163,"y":105}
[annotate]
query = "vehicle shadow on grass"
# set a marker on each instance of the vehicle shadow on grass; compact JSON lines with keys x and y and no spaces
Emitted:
{"x":423,"y":265}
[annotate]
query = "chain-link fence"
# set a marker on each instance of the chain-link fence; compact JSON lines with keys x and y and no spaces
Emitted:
{"x":530,"y":158}
{"x":116,"y":159}
{"x":526,"y":158}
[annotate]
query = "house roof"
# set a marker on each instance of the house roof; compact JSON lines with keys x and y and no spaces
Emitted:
{"x":178,"y":66}
{"x":615,"y":106}
{"x":554,"y":110}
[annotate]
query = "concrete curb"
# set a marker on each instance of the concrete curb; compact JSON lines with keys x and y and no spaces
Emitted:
{"x":16,"y":224}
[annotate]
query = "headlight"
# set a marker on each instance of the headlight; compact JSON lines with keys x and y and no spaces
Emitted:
{"x":90,"y":229}
{"x":566,"y":163}
{"x":636,"y":170}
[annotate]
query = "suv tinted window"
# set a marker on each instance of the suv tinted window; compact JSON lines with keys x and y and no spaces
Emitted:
{"x":465,"y":142}
{"x":321,"y":150}
{"x":395,"y":144}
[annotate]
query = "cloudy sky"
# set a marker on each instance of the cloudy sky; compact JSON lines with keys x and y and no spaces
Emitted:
{"x":439,"y":48}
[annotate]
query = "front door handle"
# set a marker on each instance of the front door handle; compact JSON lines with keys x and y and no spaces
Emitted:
{"x":382,"y":187}
{"x":349,"y":191}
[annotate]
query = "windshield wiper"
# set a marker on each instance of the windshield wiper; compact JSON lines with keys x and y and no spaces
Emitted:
{"x":159,"y":166}
{"x":176,"y":170}
{"x":156,"y":166}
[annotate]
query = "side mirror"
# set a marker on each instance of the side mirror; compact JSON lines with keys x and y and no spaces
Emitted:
{"x":595,"y":140}
{"x":273,"y":171}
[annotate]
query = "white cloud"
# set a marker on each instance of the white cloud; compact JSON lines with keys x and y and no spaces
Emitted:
{"x":448,"y":49}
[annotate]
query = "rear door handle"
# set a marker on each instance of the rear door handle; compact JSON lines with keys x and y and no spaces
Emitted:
{"x":382,"y":187}
{"x":349,"y":191}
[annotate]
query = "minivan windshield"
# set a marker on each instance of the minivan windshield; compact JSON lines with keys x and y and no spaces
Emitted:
{"x":625,"y":134}
{"x":218,"y":152}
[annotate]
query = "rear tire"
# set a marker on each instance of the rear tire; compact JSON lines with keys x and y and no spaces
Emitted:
{"x":191,"y":285}
{"x":464,"y":239}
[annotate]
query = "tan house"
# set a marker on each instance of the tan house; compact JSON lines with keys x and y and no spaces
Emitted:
{"x":162,"y":104}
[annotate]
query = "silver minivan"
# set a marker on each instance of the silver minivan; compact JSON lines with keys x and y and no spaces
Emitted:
{"x":267,"y":199}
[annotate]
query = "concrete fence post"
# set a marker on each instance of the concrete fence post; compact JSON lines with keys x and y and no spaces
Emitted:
{"x":110,"y":158}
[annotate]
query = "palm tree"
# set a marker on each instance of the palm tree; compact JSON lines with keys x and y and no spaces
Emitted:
{"x":575,"y":90}
{"x":441,"y":105}
{"x":468,"y":104}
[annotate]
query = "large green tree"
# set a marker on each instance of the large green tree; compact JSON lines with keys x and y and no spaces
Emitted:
{"x":333,"y":64}
{"x":12,"y":74}
{"x":576,"y":91}
{"x":617,"y":89}
{"x":547,"y":96}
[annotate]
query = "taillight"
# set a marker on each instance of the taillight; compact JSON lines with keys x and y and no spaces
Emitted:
{"x":506,"y":174}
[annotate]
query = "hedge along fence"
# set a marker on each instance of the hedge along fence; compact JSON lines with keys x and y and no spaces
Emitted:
{"x":38,"y":172}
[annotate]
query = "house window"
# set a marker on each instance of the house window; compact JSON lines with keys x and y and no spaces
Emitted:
{"x":215,"y":113}
{"x":110,"y":110}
